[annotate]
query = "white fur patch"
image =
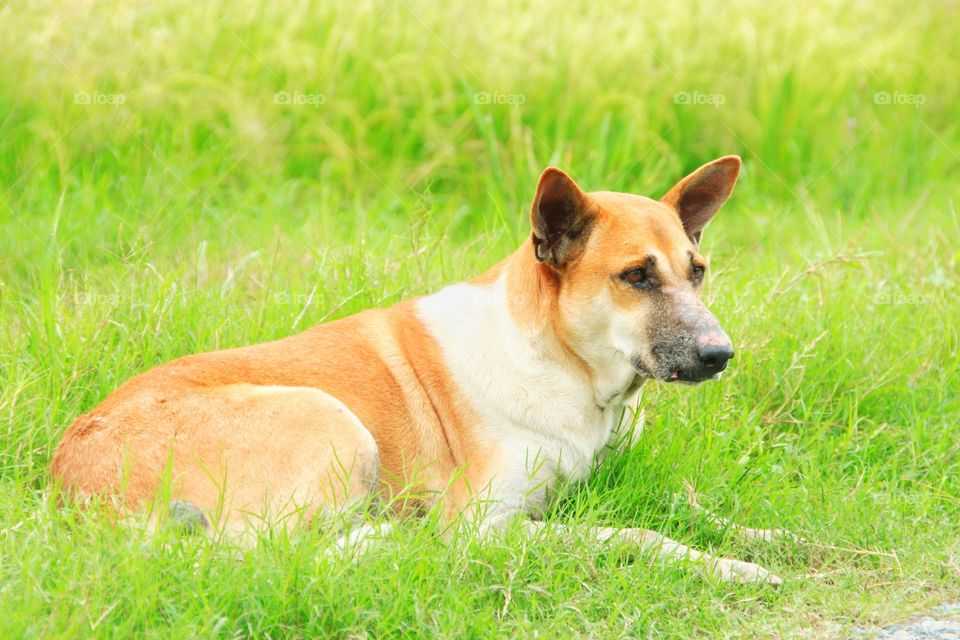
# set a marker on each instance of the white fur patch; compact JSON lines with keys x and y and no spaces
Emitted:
{"x":538,"y":411}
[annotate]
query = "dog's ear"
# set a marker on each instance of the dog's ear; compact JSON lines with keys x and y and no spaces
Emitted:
{"x":699,"y":196}
{"x":560,"y":218}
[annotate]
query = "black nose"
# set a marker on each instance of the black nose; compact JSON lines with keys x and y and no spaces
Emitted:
{"x":714,"y":356}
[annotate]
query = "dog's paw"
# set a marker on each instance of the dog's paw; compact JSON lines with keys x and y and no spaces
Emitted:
{"x":729,"y":570}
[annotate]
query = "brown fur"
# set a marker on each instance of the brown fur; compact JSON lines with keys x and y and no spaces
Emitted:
{"x":207,"y":415}
{"x":261,"y":429}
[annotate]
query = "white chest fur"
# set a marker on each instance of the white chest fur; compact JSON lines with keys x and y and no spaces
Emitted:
{"x":539,"y":412}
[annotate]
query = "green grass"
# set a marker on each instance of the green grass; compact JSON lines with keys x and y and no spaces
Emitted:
{"x":203,"y":213}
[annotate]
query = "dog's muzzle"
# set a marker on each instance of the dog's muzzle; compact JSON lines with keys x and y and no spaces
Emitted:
{"x":710,"y":354}
{"x":714,"y":350}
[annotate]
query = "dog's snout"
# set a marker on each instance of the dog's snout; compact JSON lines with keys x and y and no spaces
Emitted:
{"x":714,"y":350}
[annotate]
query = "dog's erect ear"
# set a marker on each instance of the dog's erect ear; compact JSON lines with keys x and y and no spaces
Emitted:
{"x":560,"y":218}
{"x":699,"y":196}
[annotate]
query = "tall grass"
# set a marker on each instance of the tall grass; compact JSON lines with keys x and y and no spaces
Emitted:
{"x":177,"y":177}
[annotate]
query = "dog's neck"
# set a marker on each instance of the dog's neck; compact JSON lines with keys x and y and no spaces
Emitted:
{"x":511,"y":356}
{"x":532,"y":297}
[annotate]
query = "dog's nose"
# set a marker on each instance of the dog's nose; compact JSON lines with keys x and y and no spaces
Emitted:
{"x":714,"y":354}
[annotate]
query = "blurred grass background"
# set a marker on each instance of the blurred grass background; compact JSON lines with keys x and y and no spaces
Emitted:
{"x":177,"y":177}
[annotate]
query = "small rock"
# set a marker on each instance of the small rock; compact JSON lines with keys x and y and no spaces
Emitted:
{"x":926,"y":628}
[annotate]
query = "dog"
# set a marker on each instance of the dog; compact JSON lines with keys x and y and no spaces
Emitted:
{"x":481,"y":396}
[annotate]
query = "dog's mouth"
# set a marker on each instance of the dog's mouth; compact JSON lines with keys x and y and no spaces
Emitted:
{"x":674,"y":375}
{"x":685,"y":377}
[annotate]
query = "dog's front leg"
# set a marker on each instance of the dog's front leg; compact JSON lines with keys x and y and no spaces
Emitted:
{"x":726,"y":569}
{"x":744,"y":533}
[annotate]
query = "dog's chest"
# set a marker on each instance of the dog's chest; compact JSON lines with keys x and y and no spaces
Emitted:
{"x":566,"y":450}
{"x":539,"y":420}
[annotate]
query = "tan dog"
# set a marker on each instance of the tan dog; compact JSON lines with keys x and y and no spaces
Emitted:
{"x":488,"y":391}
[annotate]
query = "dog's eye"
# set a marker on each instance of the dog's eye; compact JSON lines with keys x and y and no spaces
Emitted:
{"x":637,"y":278}
{"x":698,"y":271}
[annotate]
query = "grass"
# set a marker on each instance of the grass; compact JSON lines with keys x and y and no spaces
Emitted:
{"x":179,"y":177}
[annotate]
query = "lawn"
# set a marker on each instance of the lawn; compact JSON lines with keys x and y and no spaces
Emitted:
{"x":179,"y":177}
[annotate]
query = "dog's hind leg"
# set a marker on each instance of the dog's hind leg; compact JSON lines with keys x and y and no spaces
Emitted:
{"x":234,"y":460}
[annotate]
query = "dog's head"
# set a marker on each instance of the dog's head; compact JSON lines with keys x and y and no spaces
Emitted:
{"x":629,"y":274}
